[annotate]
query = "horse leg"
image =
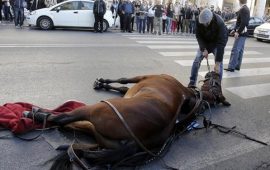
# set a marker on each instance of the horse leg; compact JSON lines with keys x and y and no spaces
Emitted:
{"x":123,"y":80}
{"x":98,"y":85}
{"x":88,"y":128}
{"x":104,"y":83}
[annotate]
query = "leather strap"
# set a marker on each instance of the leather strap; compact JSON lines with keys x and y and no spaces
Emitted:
{"x":128,"y":128}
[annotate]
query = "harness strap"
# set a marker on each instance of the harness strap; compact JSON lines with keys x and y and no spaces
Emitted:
{"x":74,"y":158}
{"x":224,"y":129}
{"x":128,"y":128}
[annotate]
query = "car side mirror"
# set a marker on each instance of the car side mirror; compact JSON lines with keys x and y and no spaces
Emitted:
{"x":58,"y":9}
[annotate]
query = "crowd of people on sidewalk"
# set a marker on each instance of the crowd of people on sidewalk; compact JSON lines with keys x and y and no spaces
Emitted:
{"x":157,"y":18}
{"x":13,"y":10}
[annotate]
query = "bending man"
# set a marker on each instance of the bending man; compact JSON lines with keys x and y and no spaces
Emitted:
{"x":212,"y":37}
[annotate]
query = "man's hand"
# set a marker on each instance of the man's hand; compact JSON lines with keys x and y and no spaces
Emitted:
{"x":205,"y":53}
{"x":236,"y":35}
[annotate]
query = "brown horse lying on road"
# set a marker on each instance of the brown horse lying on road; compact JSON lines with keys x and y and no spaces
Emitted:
{"x":142,"y":120}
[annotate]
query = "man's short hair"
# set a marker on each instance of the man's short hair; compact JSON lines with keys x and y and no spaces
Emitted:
{"x":205,"y":16}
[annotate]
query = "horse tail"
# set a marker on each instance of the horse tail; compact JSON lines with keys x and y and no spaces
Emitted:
{"x":96,"y":158}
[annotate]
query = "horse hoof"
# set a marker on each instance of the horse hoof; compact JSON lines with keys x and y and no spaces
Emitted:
{"x":101,"y":80}
{"x":97,"y":85}
{"x":225,"y":103}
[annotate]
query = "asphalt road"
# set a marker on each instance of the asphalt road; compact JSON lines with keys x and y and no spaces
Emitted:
{"x":47,"y":68}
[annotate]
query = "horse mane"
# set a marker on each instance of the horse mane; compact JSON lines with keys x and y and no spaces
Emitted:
{"x":62,"y":161}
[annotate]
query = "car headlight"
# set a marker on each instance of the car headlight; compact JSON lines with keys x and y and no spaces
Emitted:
{"x":32,"y":12}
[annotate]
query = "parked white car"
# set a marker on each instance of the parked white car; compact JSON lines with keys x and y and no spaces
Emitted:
{"x":70,"y":13}
{"x":262,"y":32}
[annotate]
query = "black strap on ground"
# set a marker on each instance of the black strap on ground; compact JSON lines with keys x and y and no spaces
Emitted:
{"x":226,"y":130}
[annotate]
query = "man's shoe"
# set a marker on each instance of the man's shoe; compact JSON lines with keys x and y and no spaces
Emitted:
{"x":191,"y":85}
{"x":229,"y":69}
{"x":237,"y":69}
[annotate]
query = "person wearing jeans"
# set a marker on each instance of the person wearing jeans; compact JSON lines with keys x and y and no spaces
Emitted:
{"x":212,"y":37}
{"x":197,"y":63}
{"x":240,"y":35}
{"x":19,"y":12}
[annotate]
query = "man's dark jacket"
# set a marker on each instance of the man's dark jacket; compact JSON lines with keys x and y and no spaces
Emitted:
{"x":243,"y":16}
{"x":99,"y":7}
{"x":215,"y":35}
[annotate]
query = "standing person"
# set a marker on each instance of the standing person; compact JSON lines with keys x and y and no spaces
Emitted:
{"x":158,"y":17}
{"x":176,"y":14}
{"x":169,"y":13}
{"x":143,"y":16}
{"x":240,"y":35}
{"x":99,"y":9}
{"x":128,"y":11}
{"x":121,"y":15}
{"x":137,"y":5}
{"x":7,"y":12}
{"x":187,"y":15}
{"x":0,"y":11}
{"x":19,"y":12}
{"x":150,"y":17}
{"x":114,"y":10}
{"x":211,"y":34}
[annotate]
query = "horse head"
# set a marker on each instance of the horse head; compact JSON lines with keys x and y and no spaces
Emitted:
{"x":212,"y":90}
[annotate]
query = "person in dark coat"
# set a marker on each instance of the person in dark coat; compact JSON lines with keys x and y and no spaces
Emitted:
{"x":19,"y":6}
{"x":99,"y":10}
{"x":212,"y":37}
{"x":1,"y":3}
{"x":240,"y":35}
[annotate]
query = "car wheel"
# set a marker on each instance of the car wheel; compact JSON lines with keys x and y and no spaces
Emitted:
{"x":45,"y":23}
{"x":105,"y":26}
{"x":259,"y":39}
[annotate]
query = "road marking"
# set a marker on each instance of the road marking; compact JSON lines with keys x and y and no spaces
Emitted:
{"x":251,"y":91}
{"x":161,"y":38}
{"x":178,"y":47}
{"x":226,"y":60}
{"x":168,"y":42}
{"x":66,"y":45}
{"x":146,"y":35}
{"x":244,"y":72}
{"x":187,"y":53}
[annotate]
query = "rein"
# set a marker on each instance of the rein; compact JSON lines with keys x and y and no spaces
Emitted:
{"x":128,"y":128}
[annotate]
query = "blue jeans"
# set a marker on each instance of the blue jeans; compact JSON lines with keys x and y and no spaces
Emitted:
{"x":142,"y":25}
{"x":237,"y":53}
{"x":19,"y":16}
{"x":196,"y":66}
{"x":169,"y":25}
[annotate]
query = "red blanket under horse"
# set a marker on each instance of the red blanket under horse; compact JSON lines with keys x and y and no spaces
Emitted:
{"x":11,"y":115}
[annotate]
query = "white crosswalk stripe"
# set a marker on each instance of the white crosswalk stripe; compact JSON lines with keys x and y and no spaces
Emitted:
{"x":244,"y":73}
{"x":165,"y":44}
{"x":257,"y":90}
{"x":193,"y":53}
{"x":226,"y":60}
